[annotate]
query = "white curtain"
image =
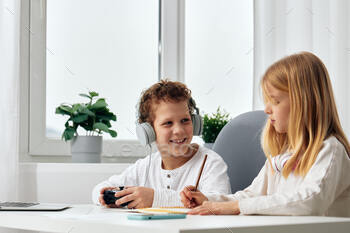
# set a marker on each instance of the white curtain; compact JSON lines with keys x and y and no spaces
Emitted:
{"x":319,"y":26}
{"x":9,"y":99}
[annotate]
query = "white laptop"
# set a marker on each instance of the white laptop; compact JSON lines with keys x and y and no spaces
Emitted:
{"x":28,"y":206}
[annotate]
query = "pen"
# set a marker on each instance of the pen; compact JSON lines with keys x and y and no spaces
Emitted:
{"x":200,"y":172}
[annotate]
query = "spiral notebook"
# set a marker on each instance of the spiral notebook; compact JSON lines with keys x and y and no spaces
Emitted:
{"x":164,"y":210}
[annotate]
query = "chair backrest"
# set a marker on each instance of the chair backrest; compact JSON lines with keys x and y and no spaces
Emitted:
{"x":239,"y":145}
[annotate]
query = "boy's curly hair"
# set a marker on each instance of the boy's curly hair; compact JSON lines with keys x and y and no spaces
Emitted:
{"x":164,"y":90}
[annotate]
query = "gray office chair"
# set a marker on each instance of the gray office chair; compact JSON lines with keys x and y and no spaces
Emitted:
{"x":239,"y":145}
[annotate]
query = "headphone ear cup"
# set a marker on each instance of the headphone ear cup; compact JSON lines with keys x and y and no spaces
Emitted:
{"x":197,"y":122}
{"x":145,"y":133}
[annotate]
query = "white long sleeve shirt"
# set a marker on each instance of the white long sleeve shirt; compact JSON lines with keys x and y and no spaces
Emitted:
{"x":167,"y":184}
{"x":325,"y":190}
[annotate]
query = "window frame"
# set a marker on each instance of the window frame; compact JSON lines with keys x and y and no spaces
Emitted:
{"x":33,"y":89}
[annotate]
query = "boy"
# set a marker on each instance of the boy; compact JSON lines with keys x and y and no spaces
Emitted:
{"x":157,"y":180}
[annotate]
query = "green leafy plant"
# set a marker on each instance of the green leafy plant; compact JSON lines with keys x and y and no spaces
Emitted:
{"x":212,"y":125}
{"x":93,"y":116}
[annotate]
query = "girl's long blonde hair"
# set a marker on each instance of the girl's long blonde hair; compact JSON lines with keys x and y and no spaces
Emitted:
{"x":313,"y":113}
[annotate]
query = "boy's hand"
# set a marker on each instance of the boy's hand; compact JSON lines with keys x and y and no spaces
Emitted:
{"x":102,"y":201}
{"x":191,"y":198}
{"x":217,"y":208}
{"x":140,"y":197}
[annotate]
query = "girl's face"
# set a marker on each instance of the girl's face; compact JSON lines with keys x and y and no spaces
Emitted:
{"x":173,"y":127}
{"x":278,"y":108}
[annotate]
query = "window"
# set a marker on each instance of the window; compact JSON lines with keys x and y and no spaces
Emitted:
{"x":111,"y":49}
{"x":120,"y":47}
{"x":78,"y":46}
{"x":219,"y":54}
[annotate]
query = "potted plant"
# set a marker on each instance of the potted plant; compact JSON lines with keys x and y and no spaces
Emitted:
{"x":94,"y":117}
{"x":212,"y":125}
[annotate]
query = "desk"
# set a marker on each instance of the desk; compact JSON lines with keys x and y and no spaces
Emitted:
{"x":90,"y":218}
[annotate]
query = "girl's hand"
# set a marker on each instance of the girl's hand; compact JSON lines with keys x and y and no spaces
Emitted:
{"x":217,"y":208}
{"x":139,"y":197}
{"x":191,"y":198}
{"x":102,"y":201}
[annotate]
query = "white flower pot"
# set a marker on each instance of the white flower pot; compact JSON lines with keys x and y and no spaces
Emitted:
{"x":209,"y":145}
{"x":86,"y":149}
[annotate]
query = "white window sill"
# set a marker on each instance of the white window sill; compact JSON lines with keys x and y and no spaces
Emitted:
{"x":73,"y":167}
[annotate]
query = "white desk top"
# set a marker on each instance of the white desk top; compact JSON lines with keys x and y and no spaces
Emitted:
{"x":90,"y":218}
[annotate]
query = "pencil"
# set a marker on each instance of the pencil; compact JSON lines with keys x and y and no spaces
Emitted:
{"x":200,"y":172}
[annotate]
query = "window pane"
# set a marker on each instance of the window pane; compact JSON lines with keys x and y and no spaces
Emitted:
{"x":219,"y":54}
{"x":108,"y":46}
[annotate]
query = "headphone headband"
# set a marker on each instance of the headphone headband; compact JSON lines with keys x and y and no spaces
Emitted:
{"x":193,"y":103}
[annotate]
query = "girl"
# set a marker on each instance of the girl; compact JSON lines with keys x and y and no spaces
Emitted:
{"x":307,"y":167}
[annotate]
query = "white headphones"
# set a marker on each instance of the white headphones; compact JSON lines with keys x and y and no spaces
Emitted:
{"x":145,"y":132}
{"x":279,"y":161}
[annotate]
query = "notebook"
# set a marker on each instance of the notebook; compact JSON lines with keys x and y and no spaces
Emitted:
{"x":164,"y":210}
{"x":27,"y":206}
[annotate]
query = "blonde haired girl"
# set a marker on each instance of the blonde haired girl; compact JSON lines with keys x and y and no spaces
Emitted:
{"x":306,"y":172}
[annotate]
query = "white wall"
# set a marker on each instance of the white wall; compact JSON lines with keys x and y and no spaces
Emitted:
{"x":62,"y":182}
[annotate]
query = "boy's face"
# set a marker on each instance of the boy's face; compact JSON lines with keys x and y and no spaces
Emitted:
{"x":173,"y":127}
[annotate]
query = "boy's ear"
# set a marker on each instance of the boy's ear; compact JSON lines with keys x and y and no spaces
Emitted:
{"x":145,"y":133}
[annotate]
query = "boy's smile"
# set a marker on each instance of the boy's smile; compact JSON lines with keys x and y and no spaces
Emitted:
{"x":173,"y":127}
{"x":178,"y":141}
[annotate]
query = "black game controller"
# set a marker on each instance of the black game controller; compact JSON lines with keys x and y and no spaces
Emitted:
{"x":109,"y":198}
